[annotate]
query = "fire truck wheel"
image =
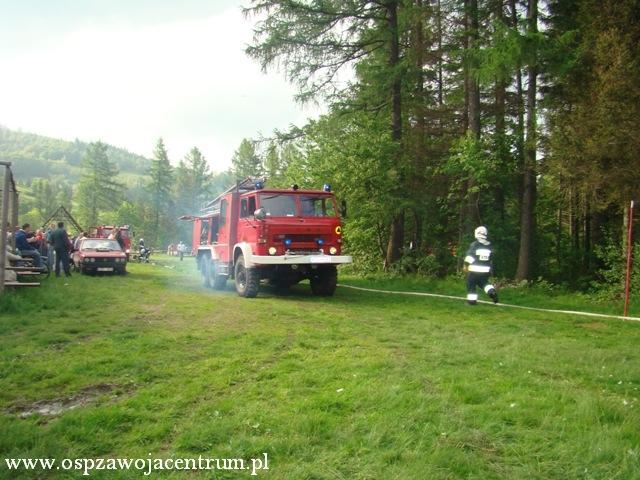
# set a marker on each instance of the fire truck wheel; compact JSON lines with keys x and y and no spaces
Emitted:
{"x":206,"y":271}
{"x":219,"y":282}
{"x":324,"y":281}
{"x":247,"y":279}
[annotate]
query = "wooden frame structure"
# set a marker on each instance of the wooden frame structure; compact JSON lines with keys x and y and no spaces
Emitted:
{"x":8,"y":216}
{"x":62,"y":214}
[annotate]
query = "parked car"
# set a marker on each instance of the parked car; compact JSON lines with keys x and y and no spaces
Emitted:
{"x":99,"y":255}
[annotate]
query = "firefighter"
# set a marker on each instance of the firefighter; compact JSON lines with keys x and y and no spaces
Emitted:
{"x":478,"y":265}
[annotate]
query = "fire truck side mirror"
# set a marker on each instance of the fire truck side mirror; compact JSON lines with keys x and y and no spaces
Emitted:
{"x":343,"y":209}
{"x":260,"y":214}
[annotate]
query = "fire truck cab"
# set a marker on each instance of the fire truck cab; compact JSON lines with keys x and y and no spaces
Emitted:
{"x":251,"y":233}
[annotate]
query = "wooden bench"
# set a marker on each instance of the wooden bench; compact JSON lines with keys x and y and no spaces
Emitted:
{"x":21,"y":284}
{"x":27,"y":269}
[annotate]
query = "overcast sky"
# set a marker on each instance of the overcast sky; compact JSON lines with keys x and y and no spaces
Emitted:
{"x":129,"y":71}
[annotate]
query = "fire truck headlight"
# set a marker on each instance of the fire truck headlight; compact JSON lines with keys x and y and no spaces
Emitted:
{"x":333,"y":250}
{"x":272,"y":250}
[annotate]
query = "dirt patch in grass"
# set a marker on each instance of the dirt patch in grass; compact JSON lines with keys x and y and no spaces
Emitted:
{"x":56,"y":406}
{"x":593,"y":325}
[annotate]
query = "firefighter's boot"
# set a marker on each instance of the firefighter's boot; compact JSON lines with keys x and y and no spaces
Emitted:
{"x":493,"y":295}
{"x":472,"y":298}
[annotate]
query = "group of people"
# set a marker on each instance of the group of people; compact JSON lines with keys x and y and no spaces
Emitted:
{"x":177,"y":250}
{"x":53,"y":244}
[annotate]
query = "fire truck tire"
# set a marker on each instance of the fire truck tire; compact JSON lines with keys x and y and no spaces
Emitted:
{"x":218,"y":282}
{"x":205,"y":269}
{"x":324,"y":281}
{"x":247,"y":279}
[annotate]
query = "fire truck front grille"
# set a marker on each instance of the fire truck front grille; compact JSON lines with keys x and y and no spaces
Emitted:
{"x":297,"y":238}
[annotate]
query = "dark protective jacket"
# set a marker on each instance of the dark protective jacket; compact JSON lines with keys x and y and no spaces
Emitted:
{"x":479,"y":257}
{"x":60,"y":239}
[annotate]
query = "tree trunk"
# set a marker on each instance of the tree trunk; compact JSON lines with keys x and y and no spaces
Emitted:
{"x":519,"y":95}
{"x":529,"y":186}
{"x":420,"y":131}
{"x":500,"y":112}
{"x":586,"y":235}
{"x":574,"y":231}
{"x":473,"y":95}
{"x":439,"y":28}
{"x":396,"y":237}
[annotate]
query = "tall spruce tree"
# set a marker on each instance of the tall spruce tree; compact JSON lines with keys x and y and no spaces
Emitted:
{"x":192,"y":180}
{"x":529,"y":180}
{"x":246,"y":162}
{"x":159,"y":188}
{"x":98,"y":189}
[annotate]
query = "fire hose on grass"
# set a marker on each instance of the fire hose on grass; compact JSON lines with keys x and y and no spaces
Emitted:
{"x":504,"y":305}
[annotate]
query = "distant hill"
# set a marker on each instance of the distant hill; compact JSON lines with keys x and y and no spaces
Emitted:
{"x":35,"y":156}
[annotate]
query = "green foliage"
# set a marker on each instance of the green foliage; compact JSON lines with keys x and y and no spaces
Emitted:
{"x":98,"y":190}
{"x":361,"y":172}
{"x":159,"y":188}
{"x":614,"y":259}
{"x":191,"y":187}
{"x":469,"y":159}
{"x":49,"y":195}
{"x":246,"y":162}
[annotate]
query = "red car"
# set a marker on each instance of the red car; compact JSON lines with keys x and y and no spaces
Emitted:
{"x":99,"y":255}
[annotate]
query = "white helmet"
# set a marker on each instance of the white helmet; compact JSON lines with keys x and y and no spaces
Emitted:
{"x":481,"y":234}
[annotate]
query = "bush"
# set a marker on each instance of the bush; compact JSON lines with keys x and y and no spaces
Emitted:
{"x":610,"y":285}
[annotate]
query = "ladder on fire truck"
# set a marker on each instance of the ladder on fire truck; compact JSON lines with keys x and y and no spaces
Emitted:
{"x":246,"y":185}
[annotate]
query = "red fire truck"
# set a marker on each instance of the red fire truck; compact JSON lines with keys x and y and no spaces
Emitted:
{"x":250,"y":233}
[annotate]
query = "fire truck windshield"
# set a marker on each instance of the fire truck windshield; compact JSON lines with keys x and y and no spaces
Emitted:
{"x":284,"y":205}
{"x":317,"y":206}
{"x":278,"y":205}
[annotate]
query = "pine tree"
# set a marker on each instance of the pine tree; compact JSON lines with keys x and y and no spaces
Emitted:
{"x":98,"y":189}
{"x":192,"y":179}
{"x":159,"y":188}
{"x":246,"y":162}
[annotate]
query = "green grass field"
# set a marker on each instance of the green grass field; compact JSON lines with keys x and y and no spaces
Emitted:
{"x":359,"y":386}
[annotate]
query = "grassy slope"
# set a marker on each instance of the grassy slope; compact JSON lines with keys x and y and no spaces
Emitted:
{"x":432,"y":389}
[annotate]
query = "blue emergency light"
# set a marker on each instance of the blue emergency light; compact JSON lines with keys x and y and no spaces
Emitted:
{"x":326,"y":187}
{"x":259,"y":185}
{"x":320,"y":241}
{"x":287,"y":242}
